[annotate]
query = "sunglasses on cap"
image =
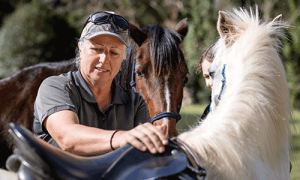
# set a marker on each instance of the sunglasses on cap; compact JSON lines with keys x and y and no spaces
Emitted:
{"x":102,"y":17}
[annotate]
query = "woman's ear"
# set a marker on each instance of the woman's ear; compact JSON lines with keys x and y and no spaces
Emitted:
{"x":79,"y":50}
{"x":79,"y":47}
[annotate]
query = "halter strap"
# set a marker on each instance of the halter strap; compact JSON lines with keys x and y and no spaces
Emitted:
{"x":166,"y":114}
{"x":223,"y":81}
{"x":160,"y":115}
{"x":132,"y":82}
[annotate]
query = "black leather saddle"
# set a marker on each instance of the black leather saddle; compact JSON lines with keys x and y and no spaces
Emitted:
{"x":35,"y":159}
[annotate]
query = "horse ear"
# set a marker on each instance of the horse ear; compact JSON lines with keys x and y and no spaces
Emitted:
{"x":137,"y":35}
{"x":182,"y":27}
{"x":225,"y":26}
{"x":278,"y":18}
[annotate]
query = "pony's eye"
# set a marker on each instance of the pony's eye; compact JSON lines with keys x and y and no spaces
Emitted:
{"x":139,"y":73}
{"x":185,"y":80}
{"x":211,"y":74}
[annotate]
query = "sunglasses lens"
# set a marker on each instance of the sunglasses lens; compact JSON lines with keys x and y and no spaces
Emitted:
{"x":104,"y":17}
{"x":121,"y":22}
{"x":99,"y":17}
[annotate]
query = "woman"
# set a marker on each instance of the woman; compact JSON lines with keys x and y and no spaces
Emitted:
{"x":205,"y":62}
{"x":87,"y":112}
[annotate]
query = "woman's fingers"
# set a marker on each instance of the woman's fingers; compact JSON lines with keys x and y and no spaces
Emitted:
{"x":164,"y":129}
{"x":159,"y":132}
{"x":138,"y":144}
{"x":142,"y":134}
{"x":149,"y":137}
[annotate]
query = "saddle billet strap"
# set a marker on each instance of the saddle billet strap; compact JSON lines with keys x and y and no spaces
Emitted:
{"x":193,"y":158}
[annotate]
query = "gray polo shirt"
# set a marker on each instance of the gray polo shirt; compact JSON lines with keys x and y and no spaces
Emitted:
{"x":70,"y":92}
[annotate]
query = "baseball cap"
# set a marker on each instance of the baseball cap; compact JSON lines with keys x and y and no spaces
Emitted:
{"x":106,"y":23}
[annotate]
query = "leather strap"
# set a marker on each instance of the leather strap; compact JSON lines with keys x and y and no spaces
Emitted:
{"x":166,"y":114}
{"x":192,"y":156}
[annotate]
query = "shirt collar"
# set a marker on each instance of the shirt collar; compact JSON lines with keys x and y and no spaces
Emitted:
{"x":87,"y":94}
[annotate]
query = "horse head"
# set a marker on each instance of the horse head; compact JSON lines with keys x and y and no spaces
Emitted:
{"x":217,"y":69}
{"x":247,"y":134}
{"x":159,"y":71}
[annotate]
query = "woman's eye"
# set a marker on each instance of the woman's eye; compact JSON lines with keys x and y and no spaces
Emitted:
{"x":139,"y":73}
{"x":97,"y":49}
{"x":114,"y":53}
{"x":206,"y":76}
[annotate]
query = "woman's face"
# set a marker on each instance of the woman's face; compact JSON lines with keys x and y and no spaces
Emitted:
{"x":208,"y":80}
{"x":101,"y":59}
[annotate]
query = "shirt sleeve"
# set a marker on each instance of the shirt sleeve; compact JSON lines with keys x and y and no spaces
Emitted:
{"x":55,"y":94}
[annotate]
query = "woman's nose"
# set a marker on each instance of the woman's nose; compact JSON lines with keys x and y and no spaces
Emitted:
{"x":103,"y":58}
{"x":210,"y":84}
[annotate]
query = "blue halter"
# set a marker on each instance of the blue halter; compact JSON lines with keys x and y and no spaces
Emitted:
{"x":160,"y":115}
{"x":223,"y":84}
{"x":223,"y":81}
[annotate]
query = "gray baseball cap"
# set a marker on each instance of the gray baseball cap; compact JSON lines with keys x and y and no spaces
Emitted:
{"x":108,"y":27}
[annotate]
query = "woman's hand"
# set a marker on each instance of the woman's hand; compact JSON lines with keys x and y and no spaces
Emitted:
{"x":143,"y":137}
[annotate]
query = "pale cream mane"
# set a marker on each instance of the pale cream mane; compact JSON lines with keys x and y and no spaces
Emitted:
{"x":247,"y":136}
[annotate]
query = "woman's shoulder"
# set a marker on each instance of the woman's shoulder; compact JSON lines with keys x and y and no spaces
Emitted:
{"x":61,"y":80}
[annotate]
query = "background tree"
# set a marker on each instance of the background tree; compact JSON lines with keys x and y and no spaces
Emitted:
{"x":202,"y":33}
{"x":33,"y":31}
{"x":32,"y":34}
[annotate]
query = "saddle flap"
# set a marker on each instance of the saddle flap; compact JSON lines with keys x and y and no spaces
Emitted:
{"x":48,"y":162}
{"x":26,"y":154}
{"x":44,"y":161}
{"x":135,"y":164}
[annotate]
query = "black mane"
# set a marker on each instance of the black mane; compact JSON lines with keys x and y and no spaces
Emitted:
{"x":164,"y":48}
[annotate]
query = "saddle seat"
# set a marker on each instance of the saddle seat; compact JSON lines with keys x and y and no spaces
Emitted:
{"x":36,"y":159}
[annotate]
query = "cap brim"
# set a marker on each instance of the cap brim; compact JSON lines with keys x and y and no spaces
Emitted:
{"x":107,"y":33}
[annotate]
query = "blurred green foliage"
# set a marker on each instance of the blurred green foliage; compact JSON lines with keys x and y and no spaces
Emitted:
{"x":201,"y":35}
{"x":33,"y":31}
{"x":32,"y":34}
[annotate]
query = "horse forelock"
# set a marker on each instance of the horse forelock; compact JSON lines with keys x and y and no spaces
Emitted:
{"x":247,"y":136}
{"x":164,"y":48}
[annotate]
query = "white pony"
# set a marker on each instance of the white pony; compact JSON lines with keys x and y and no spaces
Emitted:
{"x":247,"y":135}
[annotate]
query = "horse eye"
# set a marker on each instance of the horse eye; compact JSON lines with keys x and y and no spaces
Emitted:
{"x":138,"y":72}
{"x":211,"y":74}
{"x":185,"y":80}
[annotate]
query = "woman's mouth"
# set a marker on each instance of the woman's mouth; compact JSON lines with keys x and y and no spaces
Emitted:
{"x":103,"y":70}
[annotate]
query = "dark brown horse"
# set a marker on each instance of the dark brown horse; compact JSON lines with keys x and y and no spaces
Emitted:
{"x":17,"y":96}
{"x":158,"y":75}
{"x":156,"y":68}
